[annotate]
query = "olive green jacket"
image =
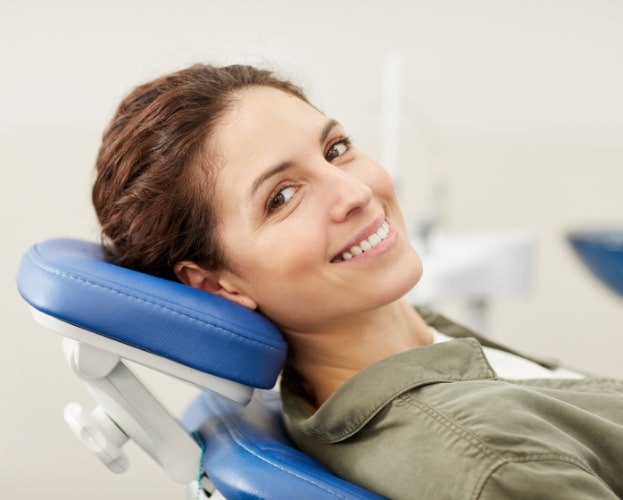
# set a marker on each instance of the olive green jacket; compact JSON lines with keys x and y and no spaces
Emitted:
{"x":436,"y":423}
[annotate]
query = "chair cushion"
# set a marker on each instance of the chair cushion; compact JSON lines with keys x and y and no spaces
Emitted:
{"x":248,"y":454}
{"x":70,"y":280}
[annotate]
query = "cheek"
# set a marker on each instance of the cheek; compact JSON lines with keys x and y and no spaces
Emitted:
{"x":285,"y":253}
{"x":295,"y":248}
{"x":381,"y":183}
{"x":285,"y":280}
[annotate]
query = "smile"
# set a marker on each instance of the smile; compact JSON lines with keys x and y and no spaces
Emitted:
{"x":365,"y":245}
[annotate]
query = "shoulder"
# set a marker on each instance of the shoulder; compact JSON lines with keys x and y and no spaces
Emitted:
{"x":555,"y":477}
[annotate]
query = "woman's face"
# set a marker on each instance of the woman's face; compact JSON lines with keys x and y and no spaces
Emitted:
{"x":310,"y":226}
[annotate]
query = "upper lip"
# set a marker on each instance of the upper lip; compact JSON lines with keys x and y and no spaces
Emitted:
{"x":364,"y":234}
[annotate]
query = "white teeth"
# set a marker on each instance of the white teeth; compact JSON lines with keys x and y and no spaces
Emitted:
{"x":373,"y":240}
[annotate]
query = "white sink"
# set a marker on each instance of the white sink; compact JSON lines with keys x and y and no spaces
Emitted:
{"x":474,"y":266}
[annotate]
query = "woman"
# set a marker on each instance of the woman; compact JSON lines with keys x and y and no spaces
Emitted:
{"x":228,"y":180}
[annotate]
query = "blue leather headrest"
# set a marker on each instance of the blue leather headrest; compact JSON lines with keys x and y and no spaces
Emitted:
{"x":70,"y":280}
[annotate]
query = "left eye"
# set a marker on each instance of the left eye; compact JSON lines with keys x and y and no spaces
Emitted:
{"x":280,"y":198}
{"x":337,"y":149}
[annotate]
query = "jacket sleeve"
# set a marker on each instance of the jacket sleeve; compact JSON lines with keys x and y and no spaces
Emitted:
{"x":552,"y":479}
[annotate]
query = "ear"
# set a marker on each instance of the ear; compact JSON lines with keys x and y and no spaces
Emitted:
{"x":216,"y":282}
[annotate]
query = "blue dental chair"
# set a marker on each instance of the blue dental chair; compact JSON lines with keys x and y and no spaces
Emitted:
{"x":231,"y":442}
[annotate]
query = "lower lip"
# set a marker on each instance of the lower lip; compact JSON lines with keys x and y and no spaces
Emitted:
{"x":383,"y":247}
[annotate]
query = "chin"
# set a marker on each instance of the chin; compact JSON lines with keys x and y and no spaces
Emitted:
{"x":405,"y":276}
{"x":413,"y":278}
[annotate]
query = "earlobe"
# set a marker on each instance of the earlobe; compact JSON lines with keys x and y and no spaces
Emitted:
{"x":193,"y":275}
{"x":238,"y":298}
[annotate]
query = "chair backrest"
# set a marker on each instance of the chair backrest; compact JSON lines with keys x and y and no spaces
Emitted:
{"x":111,"y":313}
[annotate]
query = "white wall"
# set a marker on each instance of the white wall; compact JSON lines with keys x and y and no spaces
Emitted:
{"x":516,"y":106}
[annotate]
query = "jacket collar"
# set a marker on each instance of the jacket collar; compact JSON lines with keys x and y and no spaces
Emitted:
{"x":346,"y":412}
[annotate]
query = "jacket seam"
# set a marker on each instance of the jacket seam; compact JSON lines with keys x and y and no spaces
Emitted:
{"x":439,"y":417}
{"x":530,"y":457}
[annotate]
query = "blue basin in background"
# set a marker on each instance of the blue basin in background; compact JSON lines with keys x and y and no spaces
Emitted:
{"x":602,"y":252}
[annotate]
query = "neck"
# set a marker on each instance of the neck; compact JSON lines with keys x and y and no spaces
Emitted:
{"x":326,"y":359}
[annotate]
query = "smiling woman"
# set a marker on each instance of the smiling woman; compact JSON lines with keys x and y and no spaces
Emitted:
{"x":290,"y":186}
{"x":230,"y":181}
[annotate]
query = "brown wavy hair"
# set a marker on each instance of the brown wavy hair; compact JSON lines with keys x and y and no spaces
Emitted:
{"x":154,"y":178}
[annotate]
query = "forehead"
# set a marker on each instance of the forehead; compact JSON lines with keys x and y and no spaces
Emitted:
{"x":263,"y":127}
{"x":262,"y":116}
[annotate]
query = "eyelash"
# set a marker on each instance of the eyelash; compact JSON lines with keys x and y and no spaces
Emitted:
{"x":271,"y":199}
{"x":270,"y":208}
{"x":340,"y":140}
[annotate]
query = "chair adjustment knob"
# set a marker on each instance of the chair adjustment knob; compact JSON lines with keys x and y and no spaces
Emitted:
{"x":99,"y":434}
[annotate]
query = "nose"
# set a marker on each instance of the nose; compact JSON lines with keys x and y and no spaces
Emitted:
{"x":347,"y":194}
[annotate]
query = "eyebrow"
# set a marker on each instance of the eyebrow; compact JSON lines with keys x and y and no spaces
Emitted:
{"x":324,"y":133}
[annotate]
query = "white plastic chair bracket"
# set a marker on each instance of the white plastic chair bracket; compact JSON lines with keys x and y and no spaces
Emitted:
{"x":99,"y":434}
{"x":126,"y":410}
{"x":108,"y":350}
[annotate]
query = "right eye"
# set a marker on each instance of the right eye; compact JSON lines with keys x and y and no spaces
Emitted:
{"x":280,"y":198}
{"x":338,"y":148}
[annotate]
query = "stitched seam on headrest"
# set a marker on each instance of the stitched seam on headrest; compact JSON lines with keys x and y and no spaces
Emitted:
{"x":140,"y":299}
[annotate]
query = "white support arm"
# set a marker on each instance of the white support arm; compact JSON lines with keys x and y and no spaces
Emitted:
{"x":134,"y":410}
{"x":108,"y":347}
